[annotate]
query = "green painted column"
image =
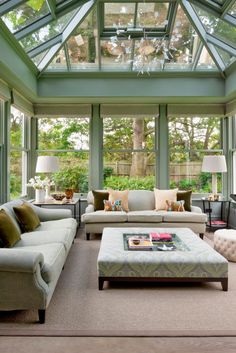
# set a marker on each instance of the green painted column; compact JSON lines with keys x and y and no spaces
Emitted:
{"x":227,"y":145}
{"x":163,"y":149}
{"x":6,"y":153}
{"x":32,"y":134}
{"x":96,"y":149}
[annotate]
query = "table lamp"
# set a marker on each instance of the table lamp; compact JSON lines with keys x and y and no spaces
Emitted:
{"x":214,"y":165}
{"x":48,"y":165}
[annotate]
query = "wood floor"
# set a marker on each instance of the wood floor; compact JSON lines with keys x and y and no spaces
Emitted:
{"x":117,"y":345}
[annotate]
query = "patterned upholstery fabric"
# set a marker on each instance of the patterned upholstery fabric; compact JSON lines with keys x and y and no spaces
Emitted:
{"x":200,"y":261}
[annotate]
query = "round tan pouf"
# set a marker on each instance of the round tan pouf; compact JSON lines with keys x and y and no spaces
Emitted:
{"x":225,"y":243}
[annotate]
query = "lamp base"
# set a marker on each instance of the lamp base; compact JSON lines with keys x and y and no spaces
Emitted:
{"x":48,"y":197}
{"x":214,"y":183}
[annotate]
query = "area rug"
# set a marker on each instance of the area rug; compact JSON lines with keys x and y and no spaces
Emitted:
{"x":78,"y":308}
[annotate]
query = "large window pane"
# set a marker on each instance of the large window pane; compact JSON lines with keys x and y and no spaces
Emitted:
{"x":18,"y":154}
{"x":63,"y":133}
{"x":73,"y":171}
{"x":190,"y":138}
{"x":129,"y":153}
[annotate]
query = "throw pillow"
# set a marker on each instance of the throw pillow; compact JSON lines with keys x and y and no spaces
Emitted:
{"x":162,"y":195}
{"x":112,"y":206}
{"x":99,"y":197}
{"x":120,"y":195}
{"x":186,"y":196}
{"x":9,"y":234}
{"x":177,"y":206}
{"x":27,"y":217}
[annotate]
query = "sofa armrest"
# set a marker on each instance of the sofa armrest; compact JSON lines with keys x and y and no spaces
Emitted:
{"x":89,"y":208}
{"x":46,"y":214}
{"x":17,"y":260}
{"x":196,"y":209}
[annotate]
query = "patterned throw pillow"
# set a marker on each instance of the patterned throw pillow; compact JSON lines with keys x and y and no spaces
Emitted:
{"x":112,"y":205}
{"x":177,"y":206}
{"x":162,"y":195}
{"x":115,"y":195}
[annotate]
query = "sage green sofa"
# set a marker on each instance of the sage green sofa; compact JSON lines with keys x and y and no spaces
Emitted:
{"x":142,"y":214}
{"x":30,"y":270}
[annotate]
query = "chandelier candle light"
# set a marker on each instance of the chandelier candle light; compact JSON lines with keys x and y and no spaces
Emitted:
{"x":214,"y":165}
{"x":48,"y":165}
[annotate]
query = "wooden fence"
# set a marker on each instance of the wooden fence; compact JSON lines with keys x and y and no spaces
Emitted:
{"x":178,"y":171}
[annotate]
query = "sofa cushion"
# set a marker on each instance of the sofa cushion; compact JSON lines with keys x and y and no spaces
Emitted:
{"x":66,"y":223}
{"x":99,"y":197}
{"x":105,"y":217}
{"x":8,"y":207}
{"x":141,"y":200}
{"x":54,"y":258}
{"x":115,"y":195}
{"x":27,"y":217}
{"x":35,"y":238}
{"x":183,"y":217}
{"x":144,"y":216}
{"x":9,"y":234}
{"x":186,"y":196}
{"x":161,"y":196}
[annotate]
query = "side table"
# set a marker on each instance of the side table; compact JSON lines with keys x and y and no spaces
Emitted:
{"x":221,"y":222}
{"x":81,"y":201}
{"x":72,"y":204}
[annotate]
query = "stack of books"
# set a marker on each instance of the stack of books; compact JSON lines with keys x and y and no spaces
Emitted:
{"x":161,"y":236}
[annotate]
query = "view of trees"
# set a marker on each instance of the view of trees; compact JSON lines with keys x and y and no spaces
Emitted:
{"x":129,"y":151}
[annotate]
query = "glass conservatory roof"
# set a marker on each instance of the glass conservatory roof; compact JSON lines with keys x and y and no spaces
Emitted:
{"x":123,"y":36}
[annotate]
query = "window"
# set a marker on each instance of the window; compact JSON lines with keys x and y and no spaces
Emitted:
{"x":190,"y":138}
{"x":129,"y":152}
{"x":18,"y":154}
{"x":68,"y":139}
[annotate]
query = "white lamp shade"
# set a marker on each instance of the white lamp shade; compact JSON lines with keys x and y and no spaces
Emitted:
{"x":47,"y":164}
{"x":214,"y":164}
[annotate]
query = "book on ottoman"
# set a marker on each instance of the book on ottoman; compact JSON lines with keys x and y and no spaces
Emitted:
{"x":161,"y":236}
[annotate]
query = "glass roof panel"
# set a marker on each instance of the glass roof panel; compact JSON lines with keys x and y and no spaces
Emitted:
{"x":119,"y":15}
{"x":152,"y":15}
{"x":25,"y":14}
{"x":47,"y":32}
{"x":232,"y":11}
{"x":226,"y":57}
{"x":59,"y":62}
{"x":36,"y":60}
{"x":116,"y":54}
{"x":183,"y":44}
{"x":217,"y":26}
{"x":205,"y":61}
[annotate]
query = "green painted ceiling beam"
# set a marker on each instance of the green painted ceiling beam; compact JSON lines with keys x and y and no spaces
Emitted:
{"x":52,"y":7}
{"x":131,"y":87}
{"x":68,"y":30}
{"x":10,"y":5}
{"x":199,"y":28}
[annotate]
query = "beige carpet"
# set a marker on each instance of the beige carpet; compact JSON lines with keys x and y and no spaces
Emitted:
{"x":79,"y":309}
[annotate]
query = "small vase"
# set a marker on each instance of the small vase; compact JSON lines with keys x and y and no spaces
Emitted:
{"x":39,"y":195}
{"x":69,"y":193}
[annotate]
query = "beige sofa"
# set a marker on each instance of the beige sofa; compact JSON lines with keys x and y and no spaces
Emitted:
{"x":142,"y":213}
{"x":30,"y":270}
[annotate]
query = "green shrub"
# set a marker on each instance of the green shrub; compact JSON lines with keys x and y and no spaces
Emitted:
{"x":125,"y":182}
{"x":72,"y":177}
{"x":107,"y":172}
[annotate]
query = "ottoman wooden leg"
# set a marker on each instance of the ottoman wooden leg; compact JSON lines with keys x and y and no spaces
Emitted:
{"x":224,"y":283}
{"x":88,"y":236}
{"x":201,"y":235}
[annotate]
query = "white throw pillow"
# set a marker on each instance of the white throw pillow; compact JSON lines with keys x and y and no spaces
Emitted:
{"x":162,"y":195}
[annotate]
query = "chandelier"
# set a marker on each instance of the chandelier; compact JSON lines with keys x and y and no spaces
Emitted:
{"x":148,"y":53}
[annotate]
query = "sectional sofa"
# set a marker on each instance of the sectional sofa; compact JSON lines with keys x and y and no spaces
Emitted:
{"x":141,"y":214}
{"x":30,"y":270}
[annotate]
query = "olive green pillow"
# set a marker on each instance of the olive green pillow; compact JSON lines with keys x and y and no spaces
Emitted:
{"x":27,"y":217}
{"x":9,"y":234}
{"x":186,"y":196}
{"x":99,"y":196}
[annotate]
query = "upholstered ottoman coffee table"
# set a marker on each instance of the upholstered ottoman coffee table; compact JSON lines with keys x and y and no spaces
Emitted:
{"x":193,"y":261}
{"x":225,"y":243}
